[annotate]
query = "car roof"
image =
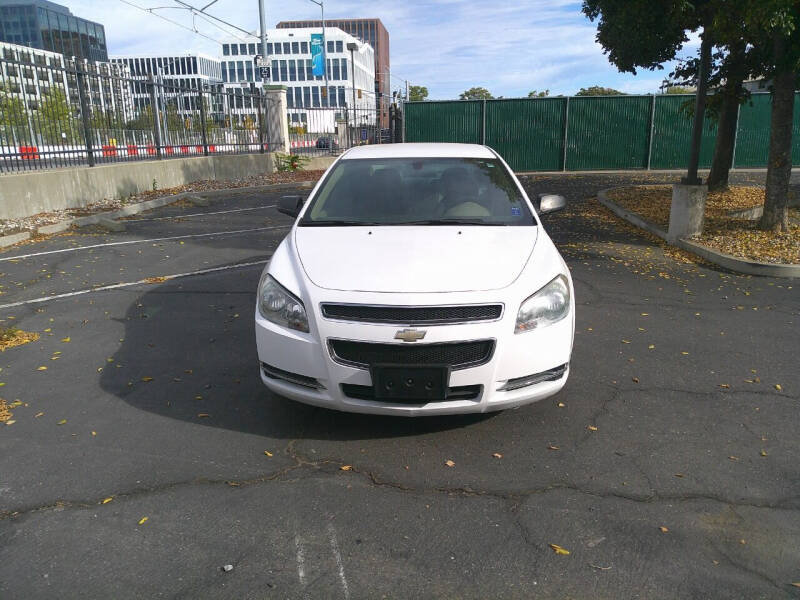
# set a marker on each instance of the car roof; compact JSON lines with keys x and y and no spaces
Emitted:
{"x":419,"y":151}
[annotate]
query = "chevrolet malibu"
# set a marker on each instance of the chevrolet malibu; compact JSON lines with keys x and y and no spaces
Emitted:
{"x":417,"y":279}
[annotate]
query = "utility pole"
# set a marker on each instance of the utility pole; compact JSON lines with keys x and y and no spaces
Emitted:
{"x":262,"y":19}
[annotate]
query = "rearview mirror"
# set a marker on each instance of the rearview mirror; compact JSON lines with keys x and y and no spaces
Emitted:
{"x":291,"y":205}
{"x":550,"y":203}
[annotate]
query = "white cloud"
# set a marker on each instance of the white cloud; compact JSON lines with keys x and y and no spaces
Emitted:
{"x":447,"y":45}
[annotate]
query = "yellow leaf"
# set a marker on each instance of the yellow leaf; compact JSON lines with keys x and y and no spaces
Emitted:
{"x":42,"y":368}
{"x":62,"y":422}
{"x":645,"y":314}
{"x":725,"y":385}
{"x":651,"y":346}
{"x":553,"y":447}
{"x":763,"y":453}
{"x":268,"y":453}
{"x":48,"y":330}
{"x":497,"y":455}
{"x":37,"y":415}
{"x":626,"y":341}
{"x":778,"y":387}
{"x":143,"y":520}
{"x":663,"y":529}
{"x":592,"y":428}
{"x":559,"y":550}
{"x":561,"y":405}
{"x":66,"y":340}
{"x":94,"y":433}
{"x":733,"y":458}
{"x":147,"y":378}
{"x":203,"y":415}
{"x":107,"y":500}
{"x":10,"y":422}
{"x":198,"y":397}
{"x":685,"y":353}
{"x":346,"y":468}
{"x":449,"y":463}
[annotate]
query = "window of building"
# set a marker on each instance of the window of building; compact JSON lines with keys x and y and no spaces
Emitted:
{"x":235,"y":49}
{"x":226,"y":50}
{"x":269,"y":48}
{"x":315,"y":96}
{"x":298,"y":96}
{"x":309,"y":71}
{"x":240,"y":70}
{"x":332,"y":96}
{"x":295,"y":47}
{"x":286,"y":48}
{"x":284,"y":71}
{"x":292,"y":71}
{"x":278,"y":49}
{"x":301,"y":70}
{"x":330,"y":46}
{"x":225,"y":75}
{"x":194,"y":65}
{"x":304,"y":47}
{"x":274,"y":71}
{"x":242,"y":49}
{"x":328,"y":68}
{"x":249,"y":67}
{"x":342,"y":100}
{"x":289,"y":98}
{"x":344,"y":69}
{"x":339,"y":46}
{"x":336,"y":68}
{"x":251,"y":48}
{"x":306,"y":96}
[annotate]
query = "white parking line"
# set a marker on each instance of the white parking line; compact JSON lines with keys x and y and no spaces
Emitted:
{"x":162,"y":239}
{"x":301,"y":560}
{"x":117,"y":286}
{"x":338,"y":556}
{"x":203,"y":214}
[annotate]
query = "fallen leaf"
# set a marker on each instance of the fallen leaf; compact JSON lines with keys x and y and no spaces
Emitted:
{"x":42,"y":368}
{"x":592,"y":428}
{"x":66,"y":340}
{"x":203,"y":415}
{"x":778,"y":387}
{"x":497,"y":455}
{"x":143,"y":520}
{"x":558,"y":549}
{"x":146,"y":379}
{"x":561,"y":405}
{"x":635,"y":379}
{"x":796,"y":584}
{"x":685,"y":353}
{"x":553,"y":447}
{"x":37,"y":415}
{"x":107,"y":500}
{"x":62,"y":422}
{"x":10,"y":422}
{"x":268,"y":453}
{"x":94,"y":433}
{"x":724,"y":385}
{"x":679,"y":475}
{"x":663,"y":529}
{"x":743,"y":541}
{"x":763,"y":453}
{"x":626,"y":341}
{"x":346,"y":468}
{"x":734,"y":458}
{"x":645,"y":314}
{"x":449,"y":463}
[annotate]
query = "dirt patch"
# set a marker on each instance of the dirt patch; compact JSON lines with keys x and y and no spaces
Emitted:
{"x":735,"y":236}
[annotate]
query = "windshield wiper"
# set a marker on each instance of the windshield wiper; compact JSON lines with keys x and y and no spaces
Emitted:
{"x":337,"y":223}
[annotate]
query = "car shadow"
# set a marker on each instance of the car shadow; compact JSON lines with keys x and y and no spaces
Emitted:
{"x":189,"y":353}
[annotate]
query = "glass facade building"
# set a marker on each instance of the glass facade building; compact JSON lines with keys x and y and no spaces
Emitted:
{"x":49,"y":26}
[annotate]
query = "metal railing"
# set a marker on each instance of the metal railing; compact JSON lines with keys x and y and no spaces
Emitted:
{"x":67,"y":113}
{"x":320,"y":131}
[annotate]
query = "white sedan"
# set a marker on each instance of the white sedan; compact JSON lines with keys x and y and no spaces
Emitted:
{"x":416,"y":280}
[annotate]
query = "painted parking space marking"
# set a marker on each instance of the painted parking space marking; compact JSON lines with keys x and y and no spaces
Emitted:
{"x":202,"y":214}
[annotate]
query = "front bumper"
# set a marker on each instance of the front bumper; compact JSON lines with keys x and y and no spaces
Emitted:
{"x":515,"y":356}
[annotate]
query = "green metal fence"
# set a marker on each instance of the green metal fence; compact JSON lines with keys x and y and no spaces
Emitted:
{"x":591,"y":133}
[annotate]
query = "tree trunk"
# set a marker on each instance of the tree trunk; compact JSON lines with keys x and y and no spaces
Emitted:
{"x":779,"y":166}
{"x":728,"y":121}
{"x":699,"y":110}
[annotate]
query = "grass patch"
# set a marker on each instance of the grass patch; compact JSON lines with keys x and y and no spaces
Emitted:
{"x":735,"y":236}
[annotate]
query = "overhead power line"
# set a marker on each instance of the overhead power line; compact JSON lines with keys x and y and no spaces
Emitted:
{"x":168,"y":20}
{"x":199,"y":11}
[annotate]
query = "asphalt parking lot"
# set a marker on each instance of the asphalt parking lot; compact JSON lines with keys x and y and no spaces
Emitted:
{"x":147,"y":454}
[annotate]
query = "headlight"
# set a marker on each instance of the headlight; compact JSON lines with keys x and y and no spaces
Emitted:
{"x":547,"y":306}
{"x":277,"y":304}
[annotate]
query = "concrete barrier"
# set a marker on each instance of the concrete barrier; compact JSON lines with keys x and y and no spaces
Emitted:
{"x":29,"y":193}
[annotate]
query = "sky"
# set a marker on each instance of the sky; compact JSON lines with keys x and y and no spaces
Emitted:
{"x":508,"y":47}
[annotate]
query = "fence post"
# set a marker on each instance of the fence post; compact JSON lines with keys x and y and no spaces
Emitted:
{"x":201,"y":99}
{"x":260,"y":120}
{"x":156,"y":119}
{"x":87,"y":134}
{"x":566,"y":131}
{"x":736,"y":136}
{"x":652,"y":126}
{"x":483,"y":122}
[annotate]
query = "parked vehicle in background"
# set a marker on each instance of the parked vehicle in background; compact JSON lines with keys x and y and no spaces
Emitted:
{"x":417,"y":280}
{"x":326,"y":142}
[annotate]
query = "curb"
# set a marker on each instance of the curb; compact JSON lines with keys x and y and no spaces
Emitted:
{"x":14,"y":238}
{"x":135,"y":209}
{"x":726,"y":261}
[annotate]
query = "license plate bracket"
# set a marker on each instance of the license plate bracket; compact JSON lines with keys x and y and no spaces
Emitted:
{"x":410,"y":382}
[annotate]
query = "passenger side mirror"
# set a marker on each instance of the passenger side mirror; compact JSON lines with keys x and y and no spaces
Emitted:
{"x":291,"y":205}
{"x":548,"y":203}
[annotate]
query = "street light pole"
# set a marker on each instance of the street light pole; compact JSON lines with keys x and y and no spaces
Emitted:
{"x":262,"y":19}
{"x":353,"y":47}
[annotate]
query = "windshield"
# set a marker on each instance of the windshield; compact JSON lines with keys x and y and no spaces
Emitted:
{"x":418,"y":191}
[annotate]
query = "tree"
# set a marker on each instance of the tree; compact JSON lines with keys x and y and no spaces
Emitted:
{"x":679,"y":89}
{"x":13,"y":118}
{"x":596,"y":90}
{"x":476,"y":93}
{"x":55,"y":111}
{"x":417,"y":93}
{"x":535,"y":94}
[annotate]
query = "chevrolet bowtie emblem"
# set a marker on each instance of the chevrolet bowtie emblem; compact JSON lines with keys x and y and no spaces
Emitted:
{"x":409,"y":335}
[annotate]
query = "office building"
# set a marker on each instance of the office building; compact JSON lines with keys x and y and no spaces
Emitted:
{"x":50,"y":26}
{"x":289,"y":57}
{"x":369,"y":31}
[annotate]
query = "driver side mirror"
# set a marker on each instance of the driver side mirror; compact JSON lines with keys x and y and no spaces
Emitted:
{"x":291,"y":205}
{"x":548,"y":203}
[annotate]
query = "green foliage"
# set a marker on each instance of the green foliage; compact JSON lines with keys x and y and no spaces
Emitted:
{"x":290,"y":162}
{"x":597,"y":90}
{"x":417,"y":93}
{"x":155,"y":184}
{"x":476,"y":93}
{"x":298,"y":129}
{"x":13,"y":118}
{"x":679,"y":89}
{"x":535,"y":94}
{"x":55,"y":111}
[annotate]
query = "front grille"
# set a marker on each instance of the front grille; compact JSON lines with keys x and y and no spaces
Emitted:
{"x":367,"y":392}
{"x":412,"y":315}
{"x":456,"y":355}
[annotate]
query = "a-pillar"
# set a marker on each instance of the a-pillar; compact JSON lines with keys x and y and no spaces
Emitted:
{"x":277,"y":118}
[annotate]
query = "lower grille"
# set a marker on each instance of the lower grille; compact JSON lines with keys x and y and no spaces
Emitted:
{"x":276,"y":373}
{"x":521,"y":382}
{"x":456,"y":355}
{"x":413,"y":315}
{"x":367,"y":392}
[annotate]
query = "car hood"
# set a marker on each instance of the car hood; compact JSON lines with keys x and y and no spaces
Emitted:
{"x":414,"y":259}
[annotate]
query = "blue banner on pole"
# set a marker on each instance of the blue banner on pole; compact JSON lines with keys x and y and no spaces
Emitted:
{"x":317,"y":54}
